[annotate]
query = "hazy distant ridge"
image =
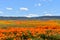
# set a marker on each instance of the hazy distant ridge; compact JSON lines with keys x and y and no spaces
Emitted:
{"x":27,"y":18}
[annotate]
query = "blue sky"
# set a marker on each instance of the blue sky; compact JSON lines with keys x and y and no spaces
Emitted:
{"x":30,"y":8}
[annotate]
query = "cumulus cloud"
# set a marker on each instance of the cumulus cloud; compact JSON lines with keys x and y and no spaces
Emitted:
{"x":24,"y":9}
{"x":1,"y":11}
{"x":38,"y":4}
{"x":48,"y":14}
{"x":31,"y":15}
{"x":9,"y":8}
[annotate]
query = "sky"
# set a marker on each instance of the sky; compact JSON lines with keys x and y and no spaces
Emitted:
{"x":30,"y":8}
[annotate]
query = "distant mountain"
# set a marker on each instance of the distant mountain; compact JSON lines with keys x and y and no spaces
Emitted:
{"x":29,"y":18}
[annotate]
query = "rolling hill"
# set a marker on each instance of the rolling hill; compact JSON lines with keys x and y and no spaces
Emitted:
{"x":29,"y":18}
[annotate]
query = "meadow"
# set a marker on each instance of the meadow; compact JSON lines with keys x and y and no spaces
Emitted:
{"x":28,"y":23}
{"x":29,"y":29}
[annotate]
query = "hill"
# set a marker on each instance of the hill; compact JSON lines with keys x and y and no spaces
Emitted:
{"x":29,"y":18}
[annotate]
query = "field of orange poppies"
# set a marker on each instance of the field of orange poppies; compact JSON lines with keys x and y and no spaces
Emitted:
{"x":29,"y":29}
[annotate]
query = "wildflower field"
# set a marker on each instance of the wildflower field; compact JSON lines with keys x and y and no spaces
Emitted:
{"x":29,"y":29}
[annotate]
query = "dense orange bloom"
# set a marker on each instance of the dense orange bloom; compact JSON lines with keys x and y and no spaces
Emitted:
{"x":48,"y":27}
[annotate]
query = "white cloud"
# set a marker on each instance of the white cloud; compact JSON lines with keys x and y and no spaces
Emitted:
{"x":1,"y":11}
{"x":9,"y":8}
{"x":48,"y":14}
{"x":39,"y":4}
{"x":31,"y":15}
{"x":24,"y":9}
